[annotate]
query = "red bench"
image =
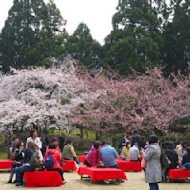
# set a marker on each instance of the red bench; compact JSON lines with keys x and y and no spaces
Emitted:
{"x":179,"y":174}
{"x":100,"y":174}
{"x":69,"y":165}
{"x":43,"y":179}
{"x":81,"y":158}
{"x":6,"y":164}
{"x":128,"y":166}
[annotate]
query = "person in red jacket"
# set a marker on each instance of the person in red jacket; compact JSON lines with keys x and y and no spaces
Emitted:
{"x":57,"y":158}
{"x":92,"y":158}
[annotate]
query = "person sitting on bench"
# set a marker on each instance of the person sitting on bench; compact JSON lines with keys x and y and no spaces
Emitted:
{"x":108,"y":154}
{"x":52,"y":160}
{"x":69,"y":152}
{"x":92,"y":157}
{"x":134,"y":155}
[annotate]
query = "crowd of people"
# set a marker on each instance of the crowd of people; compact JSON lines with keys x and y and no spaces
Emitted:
{"x":51,"y":155}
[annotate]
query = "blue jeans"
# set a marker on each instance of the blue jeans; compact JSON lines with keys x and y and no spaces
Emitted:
{"x":153,"y":186}
{"x":20,"y":173}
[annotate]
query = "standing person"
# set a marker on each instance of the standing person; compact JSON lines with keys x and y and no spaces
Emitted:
{"x":61,"y":142}
{"x":92,"y":157}
{"x":134,"y":153}
{"x":45,"y":142}
{"x":125,"y":151}
{"x":180,"y":149}
{"x":153,"y":171}
{"x":19,"y":158}
{"x":172,"y":160}
{"x":108,"y":154}
{"x":122,"y":142}
{"x":26,"y":166}
{"x":34,"y":138}
{"x":69,"y":152}
{"x":136,"y":138}
{"x":172,"y":156}
{"x":56,"y":160}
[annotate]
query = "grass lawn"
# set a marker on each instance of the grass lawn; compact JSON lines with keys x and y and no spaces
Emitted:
{"x":3,"y":155}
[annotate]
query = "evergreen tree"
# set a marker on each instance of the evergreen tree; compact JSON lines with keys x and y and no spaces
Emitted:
{"x":52,"y":34}
{"x":135,"y":41}
{"x":176,"y":51}
{"x":30,"y":33}
{"x":83,"y":47}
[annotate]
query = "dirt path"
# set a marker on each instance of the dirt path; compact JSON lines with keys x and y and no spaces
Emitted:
{"x":135,"y":182}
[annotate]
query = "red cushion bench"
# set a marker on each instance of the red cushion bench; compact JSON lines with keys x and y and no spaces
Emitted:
{"x":69,"y":165}
{"x":179,"y":174}
{"x":100,"y":174}
{"x":128,"y":166}
{"x":81,"y":158}
{"x":43,"y":179}
{"x":6,"y":164}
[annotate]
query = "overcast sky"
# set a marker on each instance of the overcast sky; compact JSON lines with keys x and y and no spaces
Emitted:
{"x":97,"y":14}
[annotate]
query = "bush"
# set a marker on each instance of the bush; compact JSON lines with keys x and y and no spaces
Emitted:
{"x":65,"y":101}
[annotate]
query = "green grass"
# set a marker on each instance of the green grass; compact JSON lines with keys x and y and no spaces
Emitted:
{"x":3,"y":155}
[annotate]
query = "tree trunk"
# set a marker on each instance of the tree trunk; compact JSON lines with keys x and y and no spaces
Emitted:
{"x":81,"y":132}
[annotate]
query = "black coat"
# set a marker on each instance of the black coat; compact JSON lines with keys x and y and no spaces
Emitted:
{"x":136,"y":139}
{"x":19,"y":156}
{"x":173,"y":157}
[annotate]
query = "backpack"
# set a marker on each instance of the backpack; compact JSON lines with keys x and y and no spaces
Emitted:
{"x":165,"y":162}
{"x":35,"y":161}
{"x":187,"y":165}
{"x":48,"y":163}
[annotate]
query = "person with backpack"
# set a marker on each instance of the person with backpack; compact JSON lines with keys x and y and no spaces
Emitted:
{"x":31,"y":161}
{"x":52,"y":160}
{"x":54,"y":141}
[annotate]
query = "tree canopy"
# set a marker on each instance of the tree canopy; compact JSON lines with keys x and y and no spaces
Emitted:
{"x":83,"y":47}
{"x":32,"y":32}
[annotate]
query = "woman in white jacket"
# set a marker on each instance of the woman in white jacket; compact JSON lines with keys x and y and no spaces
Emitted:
{"x":34,"y":137}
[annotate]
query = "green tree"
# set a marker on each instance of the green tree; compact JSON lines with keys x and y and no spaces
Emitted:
{"x":31,"y":33}
{"x":53,"y":34}
{"x":83,"y":47}
{"x":176,"y":50}
{"x":135,"y":41}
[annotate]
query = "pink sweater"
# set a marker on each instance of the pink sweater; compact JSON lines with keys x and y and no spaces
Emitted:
{"x":93,"y":156}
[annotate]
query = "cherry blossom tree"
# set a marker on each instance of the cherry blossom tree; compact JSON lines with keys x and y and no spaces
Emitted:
{"x":41,"y":97}
{"x":147,"y":102}
{"x":66,"y":95}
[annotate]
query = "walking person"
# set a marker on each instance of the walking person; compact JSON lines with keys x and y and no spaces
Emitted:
{"x":153,"y":171}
